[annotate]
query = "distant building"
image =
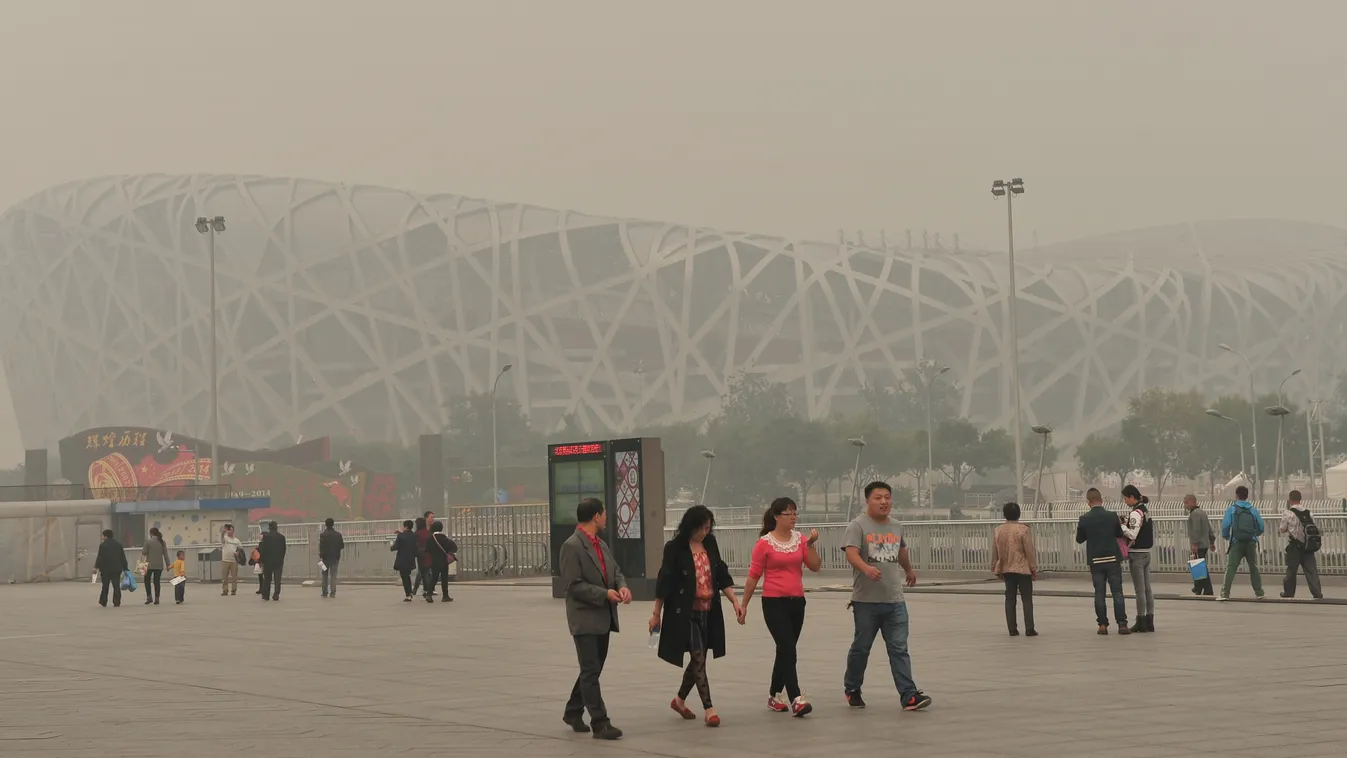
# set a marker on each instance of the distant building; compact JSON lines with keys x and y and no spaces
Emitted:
{"x":359,"y":310}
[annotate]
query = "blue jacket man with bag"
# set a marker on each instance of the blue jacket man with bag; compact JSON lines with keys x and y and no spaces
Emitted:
{"x":1241,"y":527}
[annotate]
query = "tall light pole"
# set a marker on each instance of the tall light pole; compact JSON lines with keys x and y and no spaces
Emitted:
{"x":1217,"y":414}
{"x":495,"y":479}
{"x":1253,"y":415}
{"x":1288,"y":378}
{"x":1009,"y":189}
{"x":927,"y":384}
{"x":211,"y":227}
{"x":1281,"y":412}
{"x":1046,"y":431}
{"x":859,"y":442}
{"x":710,"y":456}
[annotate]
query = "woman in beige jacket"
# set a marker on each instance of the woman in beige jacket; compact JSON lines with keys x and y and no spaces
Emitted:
{"x":1014,"y":560}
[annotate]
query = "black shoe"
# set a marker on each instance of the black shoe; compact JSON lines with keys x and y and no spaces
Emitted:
{"x":276,"y":598}
{"x":103,"y":605}
{"x":854,"y":699}
{"x":265,"y":598}
{"x":606,"y":731}
{"x":148,"y":601}
{"x":430,"y":598}
{"x":576,"y":723}
{"x":1288,"y":597}
{"x":446,"y":599}
{"x":1139,"y":626}
{"x":1122,"y":629}
{"x":407,"y":599}
{"x":1103,"y":630}
{"x":1150,"y":623}
{"x":323,"y":595}
{"x":1014,"y":632}
{"x":916,"y":702}
{"x":1031,"y":633}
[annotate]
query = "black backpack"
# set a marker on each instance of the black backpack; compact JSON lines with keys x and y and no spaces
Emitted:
{"x":1314,"y":539}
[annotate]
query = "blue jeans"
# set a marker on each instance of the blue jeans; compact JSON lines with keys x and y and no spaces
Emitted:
{"x":1110,"y":575}
{"x":889,"y":620}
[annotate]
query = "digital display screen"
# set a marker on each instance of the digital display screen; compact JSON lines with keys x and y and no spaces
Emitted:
{"x":588,"y":448}
{"x":573,"y":481}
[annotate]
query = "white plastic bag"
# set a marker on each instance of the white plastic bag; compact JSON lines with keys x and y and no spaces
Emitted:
{"x":257,"y":569}
{"x":322,"y":566}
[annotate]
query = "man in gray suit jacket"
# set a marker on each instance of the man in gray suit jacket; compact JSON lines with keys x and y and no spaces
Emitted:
{"x":594,"y":588}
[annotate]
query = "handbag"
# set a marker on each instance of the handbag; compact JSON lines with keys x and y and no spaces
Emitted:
{"x":239,"y":557}
{"x":1198,"y":568}
{"x":142,"y":566}
{"x":128,"y":581}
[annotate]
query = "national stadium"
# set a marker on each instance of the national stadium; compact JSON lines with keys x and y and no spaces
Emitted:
{"x":353,"y":310}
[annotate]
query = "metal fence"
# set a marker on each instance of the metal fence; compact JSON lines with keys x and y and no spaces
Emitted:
{"x":966,"y":545}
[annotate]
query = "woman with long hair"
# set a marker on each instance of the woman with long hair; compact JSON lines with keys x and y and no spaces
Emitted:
{"x":1140,"y":535}
{"x":156,"y":559}
{"x":779,"y":559}
{"x":687,"y":606}
{"x":1015,"y":562}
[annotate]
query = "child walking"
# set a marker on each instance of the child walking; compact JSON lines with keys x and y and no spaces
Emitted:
{"x":180,"y":577}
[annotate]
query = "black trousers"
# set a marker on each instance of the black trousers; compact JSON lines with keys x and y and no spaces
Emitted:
{"x":1203,"y":586}
{"x":271,"y":580}
{"x":785,"y":620}
{"x":438,"y":575}
{"x":1023,"y":586}
{"x":180,"y":591}
{"x":115,"y":582}
{"x":406,"y":575}
{"x":592,"y":652}
{"x":152,"y":581}
{"x":1297,"y":558}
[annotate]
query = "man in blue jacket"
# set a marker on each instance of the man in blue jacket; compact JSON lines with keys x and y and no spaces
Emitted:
{"x":1241,"y":528}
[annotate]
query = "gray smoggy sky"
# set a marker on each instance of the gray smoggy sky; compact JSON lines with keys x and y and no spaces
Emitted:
{"x":795,"y":118}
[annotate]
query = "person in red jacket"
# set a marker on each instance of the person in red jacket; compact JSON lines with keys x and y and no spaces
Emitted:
{"x":423,"y":560}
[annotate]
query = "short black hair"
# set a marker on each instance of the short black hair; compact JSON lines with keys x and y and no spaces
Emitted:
{"x":1093,"y":495}
{"x":588,"y":509}
{"x":1242,"y":492}
{"x":182,"y":553}
{"x":273,"y":526}
{"x":872,"y":486}
{"x":407,"y":524}
{"x":1011,"y":511}
{"x":438,"y":526}
{"x":428,"y":514}
{"x":229,"y":526}
{"x":421,"y":523}
{"x":328,"y":523}
{"x":107,"y":533}
{"x":1294,"y":496}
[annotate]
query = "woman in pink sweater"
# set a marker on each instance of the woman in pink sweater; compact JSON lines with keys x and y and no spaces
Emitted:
{"x":779,"y":558}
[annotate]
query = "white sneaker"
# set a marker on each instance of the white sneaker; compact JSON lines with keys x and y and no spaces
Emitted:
{"x":1222,"y":598}
{"x":800,"y":707}
{"x":777,"y":703}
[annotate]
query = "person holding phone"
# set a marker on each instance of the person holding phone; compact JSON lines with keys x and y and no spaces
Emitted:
{"x":778,"y":561}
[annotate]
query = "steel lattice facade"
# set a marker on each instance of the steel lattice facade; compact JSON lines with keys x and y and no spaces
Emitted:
{"x":359,"y":310}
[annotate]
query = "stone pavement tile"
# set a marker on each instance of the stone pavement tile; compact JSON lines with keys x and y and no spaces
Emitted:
{"x":369,"y":675}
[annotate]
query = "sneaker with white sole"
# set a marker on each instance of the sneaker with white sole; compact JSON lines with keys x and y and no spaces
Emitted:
{"x":800,"y":707}
{"x":777,"y":703}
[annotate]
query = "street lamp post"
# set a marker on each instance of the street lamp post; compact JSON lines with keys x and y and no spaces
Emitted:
{"x":928,"y":383}
{"x":710,"y":456}
{"x":1217,"y":414}
{"x":495,"y":477}
{"x":1281,"y":412}
{"x":211,"y":227}
{"x":1009,"y":189}
{"x":1253,"y":416}
{"x":1046,"y":431}
{"x":1288,"y":378}
{"x":859,"y":442}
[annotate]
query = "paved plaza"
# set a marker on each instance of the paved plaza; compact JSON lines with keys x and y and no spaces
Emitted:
{"x":368,"y":675}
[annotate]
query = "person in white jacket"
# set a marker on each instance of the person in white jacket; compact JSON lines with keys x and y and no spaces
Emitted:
{"x":1139,"y":531}
{"x":229,"y":564}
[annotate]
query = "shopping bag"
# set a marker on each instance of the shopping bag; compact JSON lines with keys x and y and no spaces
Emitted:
{"x":175,"y":581}
{"x":141,"y":567}
{"x":128,"y":581}
{"x":1198,"y":568}
{"x":322,"y":566}
{"x":257,"y":569}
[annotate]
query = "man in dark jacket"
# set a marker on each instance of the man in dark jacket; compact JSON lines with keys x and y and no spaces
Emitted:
{"x":594,"y":588}
{"x":404,"y":544}
{"x":110,"y":565}
{"x":272,"y":550}
{"x":330,"y":545}
{"x":1099,"y":529}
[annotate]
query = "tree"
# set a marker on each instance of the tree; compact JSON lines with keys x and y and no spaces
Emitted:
{"x":469,"y":433}
{"x":684,"y":465}
{"x":1159,"y":428}
{"x":903,"y":406}
{"x":960,"y":450}
{"x":1100,"y":454}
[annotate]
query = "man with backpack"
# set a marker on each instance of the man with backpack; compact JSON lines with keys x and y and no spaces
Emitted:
{"x":1241,"y":528}
{"x":1304,"y":540}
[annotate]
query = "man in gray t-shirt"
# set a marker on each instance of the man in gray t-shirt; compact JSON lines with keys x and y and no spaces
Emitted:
{"x":878,"y":556}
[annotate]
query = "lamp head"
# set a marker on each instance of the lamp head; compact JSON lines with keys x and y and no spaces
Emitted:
{"x":1017,"y":186}
{"x":942,"y":370}
{"x":217,"y":223}
{"x":998,"y":188}
{"x":1214,"y":413}
{"x":1297,"y":371}
{"x":708,"y":454}
{"x":506,"y":367}
{"x":202,"y":225}
{"x":1042,"y":429}
{"x":1277,"y":410}
{"x":857,"y":441}
{"x":1225,"y":347}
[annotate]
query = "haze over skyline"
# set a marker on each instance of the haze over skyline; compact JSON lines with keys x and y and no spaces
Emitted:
{"x":787,"y":118}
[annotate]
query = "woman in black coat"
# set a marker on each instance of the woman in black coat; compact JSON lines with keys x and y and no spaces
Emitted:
{"x":687,"y":606}
{"x":407,"y":557}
